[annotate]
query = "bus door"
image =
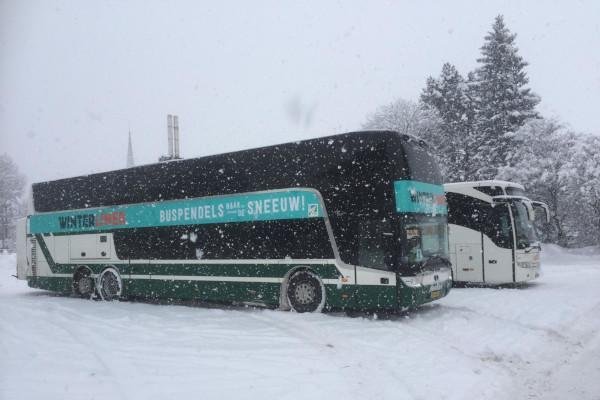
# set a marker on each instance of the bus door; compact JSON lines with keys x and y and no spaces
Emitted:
{"x":498,"y":244}
{"x":468,"y":261}
{"x":498,"y":262}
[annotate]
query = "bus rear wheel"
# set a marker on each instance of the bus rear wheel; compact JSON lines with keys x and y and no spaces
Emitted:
{"x":83,"y":283}
{"x":305,"y":292}
{"x":109,"y":285}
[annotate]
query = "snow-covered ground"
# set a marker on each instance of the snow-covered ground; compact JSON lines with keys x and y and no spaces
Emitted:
{"x":537,"y":342}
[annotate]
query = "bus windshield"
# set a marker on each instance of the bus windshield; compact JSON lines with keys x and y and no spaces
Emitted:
{"x":525,"y":234}
{"x":426,"y":237}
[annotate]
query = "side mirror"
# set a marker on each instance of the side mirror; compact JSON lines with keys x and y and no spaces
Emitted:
{"x":544,"y":207}
{"x":530,"y":212}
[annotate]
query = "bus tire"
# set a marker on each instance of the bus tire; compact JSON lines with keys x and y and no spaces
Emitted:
{"x":305,"y":292}
{"x":83,"y":283}
{"x":109,"y":285}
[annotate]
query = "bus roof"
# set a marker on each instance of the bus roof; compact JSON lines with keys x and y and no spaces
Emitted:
{"x":487,"y":183}
{"x":333,"y":165}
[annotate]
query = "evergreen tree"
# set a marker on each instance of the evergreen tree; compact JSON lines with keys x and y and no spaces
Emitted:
{"x":502,"y":101}
{"x":448,"y":95}
{"x":405,"y":117}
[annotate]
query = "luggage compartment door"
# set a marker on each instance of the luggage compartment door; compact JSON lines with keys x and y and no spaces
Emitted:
{"x":89,"y":247}
{"x":468,"y":260}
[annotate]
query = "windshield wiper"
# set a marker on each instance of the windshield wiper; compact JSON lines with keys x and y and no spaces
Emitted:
{"x":444,"y":260}
{"x":534,"y":245}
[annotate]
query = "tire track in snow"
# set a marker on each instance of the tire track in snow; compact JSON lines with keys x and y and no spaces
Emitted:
{"x":89,"y":346}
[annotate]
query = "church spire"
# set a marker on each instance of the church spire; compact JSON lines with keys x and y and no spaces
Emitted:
{"x":129,"y":152}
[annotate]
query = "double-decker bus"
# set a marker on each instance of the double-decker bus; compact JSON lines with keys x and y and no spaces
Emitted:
{"x":491,"y":234}
{"x":356,"y":221}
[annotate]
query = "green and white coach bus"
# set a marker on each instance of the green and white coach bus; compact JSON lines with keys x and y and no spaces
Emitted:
{"x":348,"y":222}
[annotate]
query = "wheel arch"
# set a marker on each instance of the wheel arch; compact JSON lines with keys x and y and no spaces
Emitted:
{"x":81,"y":270}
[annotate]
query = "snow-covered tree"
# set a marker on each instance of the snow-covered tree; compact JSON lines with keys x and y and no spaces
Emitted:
{"x":405,"y":117}
{"x":542,"y":160}
{"x":448,"y":95}
{"x":418,"y":120}
{"x":586,"y":188}
{"x":502,"y":100}
{"x":11,"y":189}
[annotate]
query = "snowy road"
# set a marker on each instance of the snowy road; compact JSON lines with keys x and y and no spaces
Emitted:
{"x":538,"y":342}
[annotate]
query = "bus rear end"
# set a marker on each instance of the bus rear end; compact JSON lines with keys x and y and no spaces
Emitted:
{"x":22,"y":256}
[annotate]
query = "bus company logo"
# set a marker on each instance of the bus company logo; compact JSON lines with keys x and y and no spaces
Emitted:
{"x":427,"y":198}
{"x":92,"y":220}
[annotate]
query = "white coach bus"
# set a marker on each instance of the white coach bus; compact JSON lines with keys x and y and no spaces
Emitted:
{"x":491,"y":234}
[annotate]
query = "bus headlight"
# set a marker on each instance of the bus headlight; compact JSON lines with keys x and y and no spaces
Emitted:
{"x":411,"y":281}
{"x":527,"y":264}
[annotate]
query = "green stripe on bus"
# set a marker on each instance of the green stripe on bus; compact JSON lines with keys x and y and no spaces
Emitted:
{"x":258,"y":270}
{"x":225,"y":269}
{"x":325,"y":271}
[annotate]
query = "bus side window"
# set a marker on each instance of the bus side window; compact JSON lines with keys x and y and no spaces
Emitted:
{"x":466,"y":211}
{"x":281,"y":239}
{"x":498,"y":226}
{"x":265,"y":240}
{"x":478,"y":215}
{"x":373,"y":248}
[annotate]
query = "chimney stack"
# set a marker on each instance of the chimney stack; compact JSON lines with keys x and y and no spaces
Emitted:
{"x":130,"y":153}
{"x":175,"y":137}
{"x":170,"y":135}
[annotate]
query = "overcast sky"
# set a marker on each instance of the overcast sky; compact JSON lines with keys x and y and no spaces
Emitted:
{"x":75,"y":76}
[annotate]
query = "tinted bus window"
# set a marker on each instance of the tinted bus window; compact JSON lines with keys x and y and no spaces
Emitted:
{"x":490,"y":190}
{"x":257,"y":240}
{"x":373,"y":239}
{"x":479,"y":215}
{"x":425,"y":167}
{"x":513,"y":191}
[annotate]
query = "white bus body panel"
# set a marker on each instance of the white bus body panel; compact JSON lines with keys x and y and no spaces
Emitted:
{"x":476,"y":259}
{"x":90,"y":246}
{"x":465,"y":254}
{"x":22,"y":257}
{"x":60,"y":246}
{"x":371,"y":276}
{"x":498,"y":263}
{"x":468,"y":260}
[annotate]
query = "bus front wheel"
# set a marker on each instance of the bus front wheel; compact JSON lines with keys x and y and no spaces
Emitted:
{"x":109,"y":285}
{"x":305,"y":292}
